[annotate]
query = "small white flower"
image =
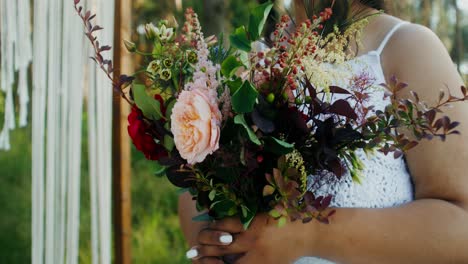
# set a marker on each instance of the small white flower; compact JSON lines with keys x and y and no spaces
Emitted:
{"x":165,"y":34}
{"x":151,"y":31}
{"x":154,"y":67}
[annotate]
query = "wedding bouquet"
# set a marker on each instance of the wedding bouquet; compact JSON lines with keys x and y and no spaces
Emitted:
{"x":247,"y":131}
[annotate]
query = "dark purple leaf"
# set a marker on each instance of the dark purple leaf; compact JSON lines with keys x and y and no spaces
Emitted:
{"x":416,"y":96}
{"x":343,"y":108}
{"x":87,"y":15}
{"x":400,"y":86}
{"x":410,"y":145}
{"x":96,"y":28}
{"x":311,"y":89}
{"x":337,"y":168}
{"x":327,"y":201}
{"x":397,"y":154}
{"x":309,"y":198}
{"x":453,"y":125}
{"x":180,"y":177}
{"x":430,"y":115}
{"x":441,"y":95}
{"x":105,"y":48}
{"x":338,"y":90}
{"x":442,"y":122}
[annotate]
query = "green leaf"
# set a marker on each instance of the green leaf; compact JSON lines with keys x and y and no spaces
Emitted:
{"x":160,"y":169}
{"x":150,"y":107}
{"x":230,"y":65}
{"x":277,"y":146}
{"x":212,"y":195}
{"x":282,"y":221}
{"x":245,"y":211}
{"x":202,"y":218}
{"x":250,"y":215}
{"x":240,"y":40}
{"x":170,"y":105}
{"x":244,"y":57}
{"x":257,"y":20}
{"x":243,"y":100}
{"x":234,"y":85}
{"x":268,"y":190}
{"x":169,"y":143}
{"x":240,"y":120}
{"x":275,"y":214}
{"x":224,"y":208}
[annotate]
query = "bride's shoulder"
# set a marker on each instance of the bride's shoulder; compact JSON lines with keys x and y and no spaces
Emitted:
{"x":413,"y":48}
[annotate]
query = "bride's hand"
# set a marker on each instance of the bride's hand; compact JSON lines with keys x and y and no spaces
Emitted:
{"x":263,"y":242}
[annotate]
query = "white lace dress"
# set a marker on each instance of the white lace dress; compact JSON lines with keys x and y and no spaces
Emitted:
{"x":386,"y":181}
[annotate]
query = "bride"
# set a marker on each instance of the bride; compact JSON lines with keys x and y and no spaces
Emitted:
{"x":412,"y":210}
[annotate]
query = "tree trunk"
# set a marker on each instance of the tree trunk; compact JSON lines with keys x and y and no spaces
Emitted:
{"x":426,"y":12}
{"x":457,"y":51}
{"x":402,"y":9}
{"x":213,"y":17}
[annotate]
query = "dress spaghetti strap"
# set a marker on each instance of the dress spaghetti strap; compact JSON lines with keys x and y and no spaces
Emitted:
{"x":388,"y":36}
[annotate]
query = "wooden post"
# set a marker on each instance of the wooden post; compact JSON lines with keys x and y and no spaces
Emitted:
{"x":121,"y":154}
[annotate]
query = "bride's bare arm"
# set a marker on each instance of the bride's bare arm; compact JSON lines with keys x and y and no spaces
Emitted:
{"x":187,"y":211}
{"x":432,"y":229}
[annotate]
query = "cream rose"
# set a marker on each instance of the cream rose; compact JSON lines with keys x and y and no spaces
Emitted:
{"x":195,"y":125}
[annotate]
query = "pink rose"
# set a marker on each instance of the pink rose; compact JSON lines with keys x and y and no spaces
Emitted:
{"x":195,"y":125}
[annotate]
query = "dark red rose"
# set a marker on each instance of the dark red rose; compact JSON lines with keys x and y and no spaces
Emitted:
{"x":142,"y":139}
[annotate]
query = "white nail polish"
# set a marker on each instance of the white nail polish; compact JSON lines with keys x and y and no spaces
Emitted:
{"x":192,"y":253}
{"x":225,"y":239}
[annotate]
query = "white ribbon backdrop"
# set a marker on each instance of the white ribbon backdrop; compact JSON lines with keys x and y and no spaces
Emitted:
{"x":16,"y":55}
{"x":61,"y":69}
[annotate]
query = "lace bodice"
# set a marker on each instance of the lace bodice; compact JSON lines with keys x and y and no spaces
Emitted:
{"x":386,"y":181}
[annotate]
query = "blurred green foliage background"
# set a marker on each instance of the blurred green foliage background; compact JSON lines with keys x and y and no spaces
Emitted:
{"x":156,"y":234}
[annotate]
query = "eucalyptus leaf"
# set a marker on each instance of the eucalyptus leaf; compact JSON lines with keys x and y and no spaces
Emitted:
{"x":230,"y":65}
{"x":170,"y":105}
{"x":257,"y":20}
{"x":244,"y":99}
{"x":278,"y":146}
{"x":169,"y":143}
{"x":240,"y":120}
{"x":203,"y":218}
{"x":160,"y":170}
{"x":239,"y":39}
{"x":150,"y":107}
{"x":234,"y":85}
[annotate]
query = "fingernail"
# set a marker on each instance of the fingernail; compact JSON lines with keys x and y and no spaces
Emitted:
{"x":192,"y":253}
{"x":226,"y":239}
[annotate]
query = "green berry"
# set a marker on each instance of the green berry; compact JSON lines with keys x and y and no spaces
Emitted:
{"x":270,"y":98}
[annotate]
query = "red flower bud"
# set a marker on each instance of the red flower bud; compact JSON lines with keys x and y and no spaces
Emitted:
{"x":260,"y":158}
